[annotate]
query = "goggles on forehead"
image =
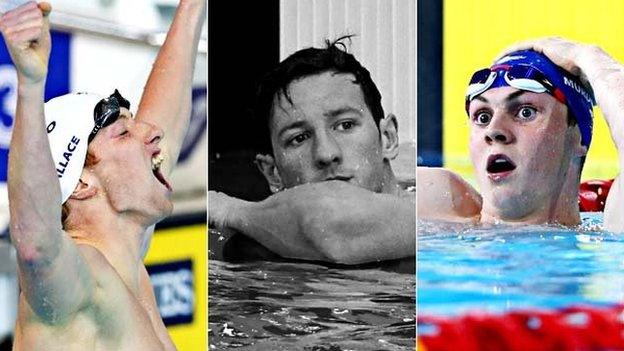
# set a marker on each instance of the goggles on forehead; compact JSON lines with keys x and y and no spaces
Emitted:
{"x":107,"y":111}
{"x":519,"y":76}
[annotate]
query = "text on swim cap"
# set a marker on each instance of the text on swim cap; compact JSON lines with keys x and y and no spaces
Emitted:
{"x":572,"y":84}
{"x":51,"y":126}
{"x":71,"y":147}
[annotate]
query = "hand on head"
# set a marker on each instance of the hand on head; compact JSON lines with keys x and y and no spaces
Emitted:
{"x":564,"y":53}
{"x":26,"y":32}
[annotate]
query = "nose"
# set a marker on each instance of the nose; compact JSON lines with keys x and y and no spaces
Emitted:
{"x":152,"y":133}
{"x":326,"y":151}
{"x":498,"y":131}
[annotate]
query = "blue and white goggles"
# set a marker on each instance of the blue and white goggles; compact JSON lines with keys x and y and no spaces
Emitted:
{"x":520,"y":76}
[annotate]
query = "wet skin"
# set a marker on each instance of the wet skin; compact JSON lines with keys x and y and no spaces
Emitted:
{"x":325,"y":132}
{"x":124,"y":151}
{"x":531,"y":131}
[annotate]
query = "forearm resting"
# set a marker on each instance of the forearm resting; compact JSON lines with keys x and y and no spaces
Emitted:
{"x":332,"y":222}
{"x":278,"y":226}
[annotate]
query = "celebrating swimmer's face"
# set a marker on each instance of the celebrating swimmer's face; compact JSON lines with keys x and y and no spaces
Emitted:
{"x":521,"y":146}
{"x":326,"y":132}
{"x":127,"y":166}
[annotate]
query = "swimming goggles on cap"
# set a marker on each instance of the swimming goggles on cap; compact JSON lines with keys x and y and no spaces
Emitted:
{"x":107,"y":111}
{"x":519,"y":76}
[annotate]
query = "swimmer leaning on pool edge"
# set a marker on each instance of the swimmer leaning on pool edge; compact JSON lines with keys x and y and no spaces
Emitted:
{"x":325,"y":154}
{"x":82,"y":279}
{"x":531,"y":126}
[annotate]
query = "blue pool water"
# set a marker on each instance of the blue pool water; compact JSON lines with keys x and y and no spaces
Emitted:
{"x":309,"y":307}
{"x":502,"y":268}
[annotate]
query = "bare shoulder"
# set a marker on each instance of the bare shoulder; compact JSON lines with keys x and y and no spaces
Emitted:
{"x":444,"y":195}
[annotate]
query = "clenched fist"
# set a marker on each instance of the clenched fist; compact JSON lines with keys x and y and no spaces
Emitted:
{"x":26,"y":31}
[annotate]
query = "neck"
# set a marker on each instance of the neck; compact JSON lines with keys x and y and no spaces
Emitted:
{"x":390,"y":185}
{"x":562,"y":208}
{"x":564,"y":212}
{"x":119,"y":237}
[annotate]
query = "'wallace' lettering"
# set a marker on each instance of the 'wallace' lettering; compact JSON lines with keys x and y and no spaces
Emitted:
{"x":71,"y":147}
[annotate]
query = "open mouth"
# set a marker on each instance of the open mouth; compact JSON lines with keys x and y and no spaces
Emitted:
{"x":500,"y":164}
{"x":157,"y":161}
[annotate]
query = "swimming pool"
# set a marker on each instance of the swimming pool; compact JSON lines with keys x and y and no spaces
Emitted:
{"x":500,"y":269}
{"x":300,"y":306}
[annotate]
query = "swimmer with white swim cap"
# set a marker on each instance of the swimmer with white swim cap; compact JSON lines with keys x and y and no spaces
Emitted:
{"x":87,"y":180}
{"x":531,"y":125}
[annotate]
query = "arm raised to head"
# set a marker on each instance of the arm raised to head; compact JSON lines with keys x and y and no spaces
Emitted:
{"x":166,"y":100}
{"x":53,"y":274}
{"x":328,"y":221}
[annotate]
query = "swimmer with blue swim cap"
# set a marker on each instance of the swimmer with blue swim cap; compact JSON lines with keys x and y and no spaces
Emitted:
{"x":531,"y":124}
{"x":531,"y":71}
{"x":87,"y":183}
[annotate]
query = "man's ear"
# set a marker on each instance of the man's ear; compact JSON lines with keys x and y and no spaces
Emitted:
{"x":578,"y":149}
{"x":581,"y":150}
{"x":389,"y":129}
{"x":266,"y":165}
{"x":85,"y":189}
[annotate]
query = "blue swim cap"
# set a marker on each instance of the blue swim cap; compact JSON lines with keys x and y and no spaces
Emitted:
{"x":579,"y":97}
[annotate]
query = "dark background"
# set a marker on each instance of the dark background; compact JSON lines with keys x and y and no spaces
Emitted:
{"x":429,"y":80}
{"x":243,"y":45}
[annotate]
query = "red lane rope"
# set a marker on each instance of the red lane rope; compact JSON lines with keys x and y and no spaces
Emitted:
{"x":593,"y":194}
{"x":573,"y":328}
{"x":576,"y":328}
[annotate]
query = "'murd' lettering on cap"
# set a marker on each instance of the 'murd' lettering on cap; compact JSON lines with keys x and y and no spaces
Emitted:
{"x":69,"y":152}
{"x":572,"y":84}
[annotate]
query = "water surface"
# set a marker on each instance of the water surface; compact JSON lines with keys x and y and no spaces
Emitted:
{"x":300,"y":306}
{"x":502,"y":268}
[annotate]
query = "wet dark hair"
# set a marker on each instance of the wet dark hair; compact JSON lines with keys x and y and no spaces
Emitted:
{"x":308,"y":62}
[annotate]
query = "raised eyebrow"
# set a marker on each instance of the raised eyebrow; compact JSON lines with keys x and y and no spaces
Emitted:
{"x":342,"y":110}
{"x":514,"y":96}
{"x":293,"y":125}
{"x":481,"y":98}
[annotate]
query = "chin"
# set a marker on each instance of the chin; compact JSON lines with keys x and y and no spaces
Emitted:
{"x":157,"y":209}
{"x":164,"y":208}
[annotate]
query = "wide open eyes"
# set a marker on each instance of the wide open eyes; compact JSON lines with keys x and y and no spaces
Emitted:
{"x":481,"y":118}
{"x":526,"y":113}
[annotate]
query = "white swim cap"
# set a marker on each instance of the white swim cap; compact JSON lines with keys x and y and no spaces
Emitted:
{"x":69,"y":122}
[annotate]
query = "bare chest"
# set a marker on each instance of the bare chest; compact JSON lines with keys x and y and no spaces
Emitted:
{"x":115,"y":320}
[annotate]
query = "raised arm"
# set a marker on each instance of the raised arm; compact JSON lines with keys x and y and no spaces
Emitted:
{"x":166,"y":100}
{"x":606,"y":76}
{"x":328,"y":221}
{"x":53,"y":274}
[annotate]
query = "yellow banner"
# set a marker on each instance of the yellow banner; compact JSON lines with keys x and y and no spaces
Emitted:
{"x":176,"y":262}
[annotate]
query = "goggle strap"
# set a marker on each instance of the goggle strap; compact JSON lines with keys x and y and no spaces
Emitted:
{"x":558,"y":94}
